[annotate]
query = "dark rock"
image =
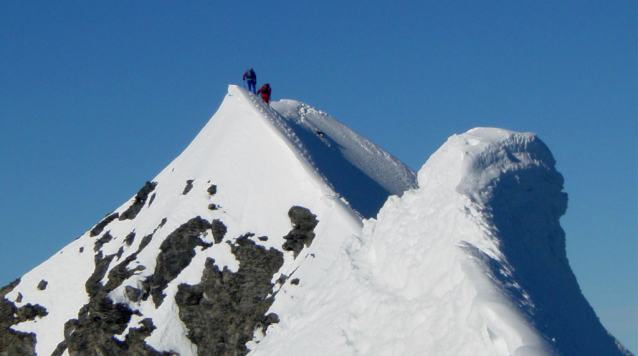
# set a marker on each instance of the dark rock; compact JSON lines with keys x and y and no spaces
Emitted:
{"x":19,"y":298}
{"x":295,"y":282}
{"x":42,"y":285}
{"x":302,"y":233}
{"x":30,"y":312}
{"x":128,"y":240}
{"x":212,"y":206}
{"x":271,"y":318}
{"x":219,"y":231}
{"x":101,"y":241}
{"x":15,"y":342}
{"x":145,"y":241}
{"x":102,"y":224}
{"x":120,"y":273}
{"x":224,"y":309}
{"x":59,"y":350}
{"x":92,"y":333}
{"x":212,"y":190}
{"x":138,"y":203}
{"x":133,"y":294}
{"x":176,"y":252}
{"x":9,"y":288}
{"x":152,"y":199}
{"x":282,"y":279}
{"x":263,"y":238}
{"x":93,"y":284}
{"x":81,"y":249}
{"x":119,"y":253}
{"x":189,"y":186}
{"x":135,"y":344}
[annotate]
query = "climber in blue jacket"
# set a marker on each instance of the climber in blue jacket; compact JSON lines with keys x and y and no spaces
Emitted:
{"x":251,"y":78}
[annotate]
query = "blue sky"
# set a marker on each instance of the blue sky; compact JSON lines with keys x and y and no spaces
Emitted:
{"x":97,"y":97}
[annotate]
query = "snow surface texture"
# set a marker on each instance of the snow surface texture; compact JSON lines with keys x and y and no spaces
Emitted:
{"x":472,"y":262}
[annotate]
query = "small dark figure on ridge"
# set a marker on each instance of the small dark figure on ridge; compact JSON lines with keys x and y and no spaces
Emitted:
{"x":251,"y":78}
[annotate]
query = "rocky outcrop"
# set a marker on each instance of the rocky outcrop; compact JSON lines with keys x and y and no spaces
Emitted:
{"x":219,"y":231}
{"x":302,"y":233}
{"x":176,"y":252}
{"x":42,"y":285}
{"x":225,"y":308}
{"x":128,"y":240}
{"x":188,"y":187}
{"x":102,"y":224}
{"x":16,"y":343}
{"x":92,"y":333}
{"x":138,"y":203}
{"x":101,"y":241}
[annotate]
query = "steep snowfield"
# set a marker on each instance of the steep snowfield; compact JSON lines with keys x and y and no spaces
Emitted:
{"x":255,"y":240}
{"x":470,"y":263}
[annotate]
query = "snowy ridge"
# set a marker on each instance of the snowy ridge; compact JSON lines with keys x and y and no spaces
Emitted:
{"x":378,"y":164}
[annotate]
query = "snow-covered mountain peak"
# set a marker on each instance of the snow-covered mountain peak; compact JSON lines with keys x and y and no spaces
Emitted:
{"x":341,"y":161}
{"x":253,"y":241}
{"x":237,"y":207}
{"x":479,"y":248}
{"x":470,"y":263}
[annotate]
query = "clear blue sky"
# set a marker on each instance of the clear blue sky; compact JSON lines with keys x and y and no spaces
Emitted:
{"x":97,"y":97}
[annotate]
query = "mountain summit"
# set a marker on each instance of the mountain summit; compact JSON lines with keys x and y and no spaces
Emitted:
{"x":280,"y":231}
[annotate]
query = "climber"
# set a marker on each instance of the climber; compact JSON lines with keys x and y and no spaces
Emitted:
{"x":251,"y":78}
{"x":265,"y":93}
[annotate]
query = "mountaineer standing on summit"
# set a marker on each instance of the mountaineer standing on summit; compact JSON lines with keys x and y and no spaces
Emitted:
{"x":251,"y":78}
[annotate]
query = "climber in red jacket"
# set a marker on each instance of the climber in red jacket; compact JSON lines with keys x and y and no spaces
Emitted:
{"x":265,"y":93}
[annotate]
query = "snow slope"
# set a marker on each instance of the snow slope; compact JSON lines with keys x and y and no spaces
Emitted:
{"x":470,"y":263}
{"x":255,"y":240}
{"x":260,"y":169}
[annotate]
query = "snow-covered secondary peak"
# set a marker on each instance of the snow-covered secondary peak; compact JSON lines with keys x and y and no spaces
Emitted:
{"x":470,"y":263}
{"x":254,"y":241}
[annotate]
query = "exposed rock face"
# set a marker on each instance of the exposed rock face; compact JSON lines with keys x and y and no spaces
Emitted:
{"x":92,"y":333}
{"x":225,"y":308}
{"x":138,"y":203}
{"x":102,"y":224}
{"x":129,"y":239}
{"x":219,"y":231}
{"x":189,"y":186}
{"x":42,"y":285}
{"x":101,"y":241}
{"x":16,"y":343}
{"x":304,"y":223}
{"x":177,"y":251}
